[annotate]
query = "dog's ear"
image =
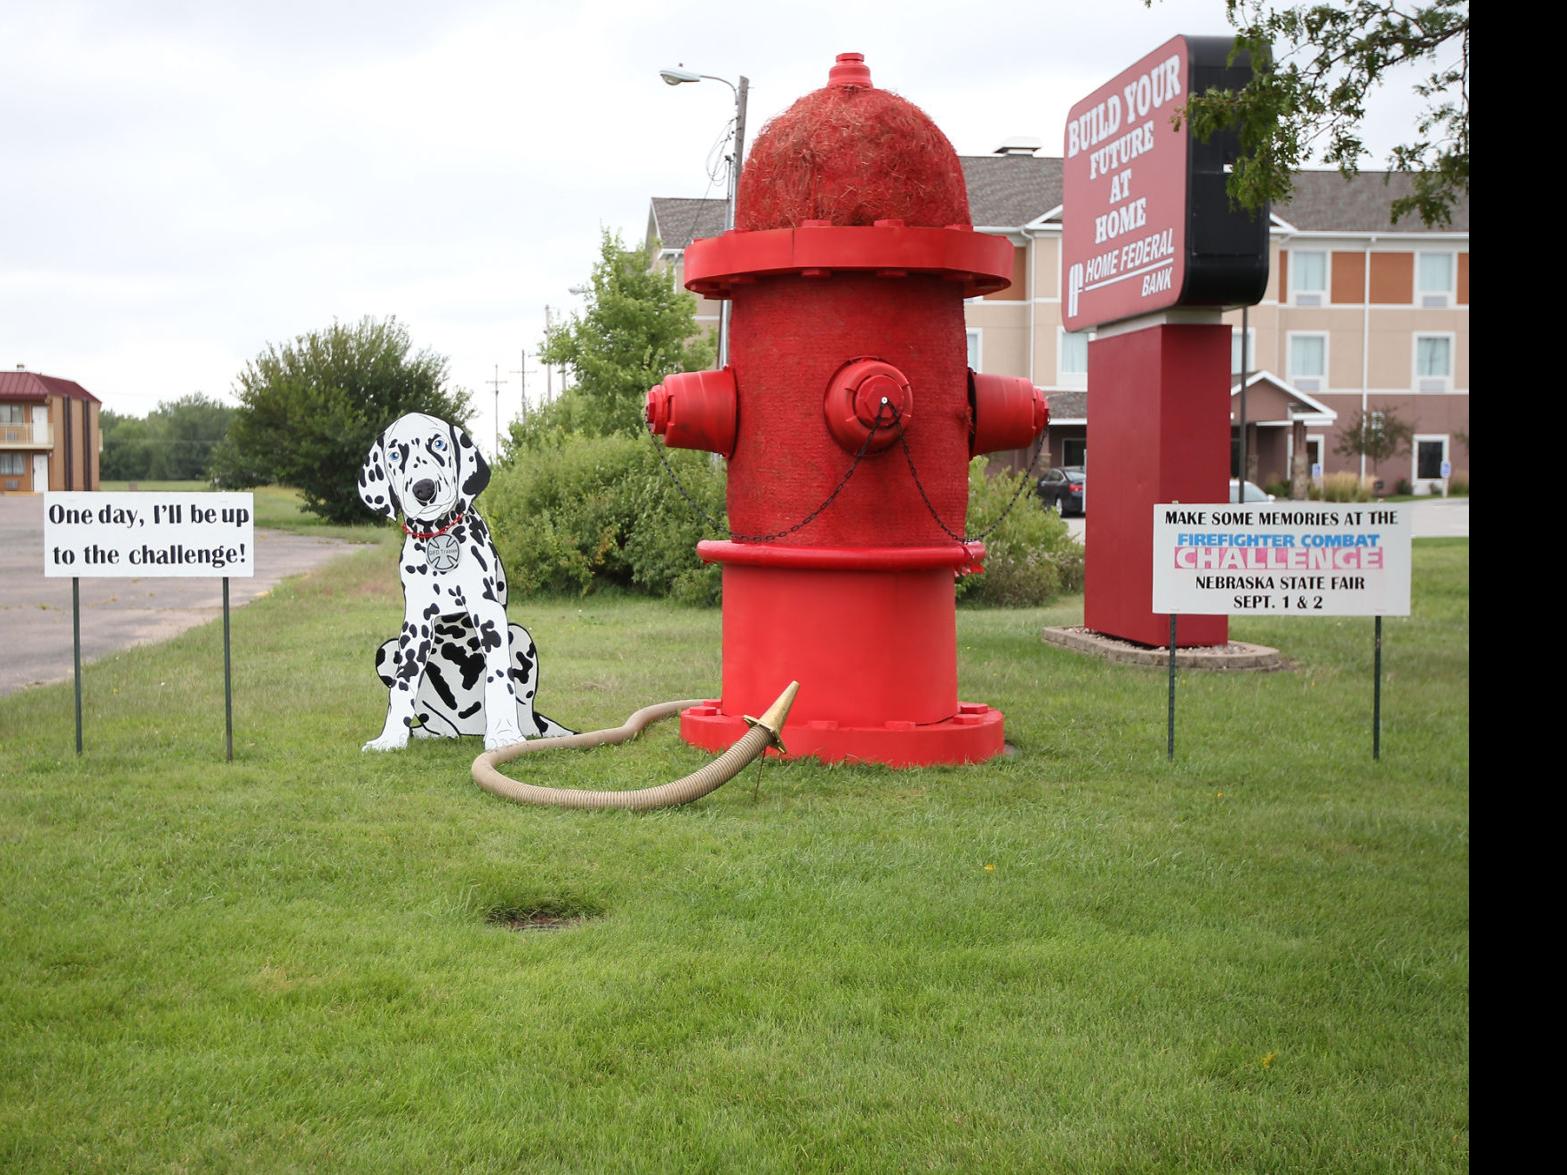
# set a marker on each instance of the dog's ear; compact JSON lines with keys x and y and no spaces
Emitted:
{"x":375,"y":488}
{"x":472,"y":467}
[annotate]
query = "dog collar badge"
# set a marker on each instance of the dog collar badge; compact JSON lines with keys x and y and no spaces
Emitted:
{"x":443,"y":551}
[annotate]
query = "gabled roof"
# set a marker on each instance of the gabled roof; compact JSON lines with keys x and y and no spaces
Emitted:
{"x":677,"y":220}
{"x":1067,"y":407}
{"x":29,"y":385}
{"x":1301,"y":406}
{"x":1324,"y":201}
{"x":1009,"y":191}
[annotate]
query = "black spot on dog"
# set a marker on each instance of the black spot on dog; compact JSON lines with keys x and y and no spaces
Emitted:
{"x":438,"y":683}
{"x":488,"y":636}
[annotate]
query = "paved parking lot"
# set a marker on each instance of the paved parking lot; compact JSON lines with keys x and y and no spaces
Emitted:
{"x":35,"y":612}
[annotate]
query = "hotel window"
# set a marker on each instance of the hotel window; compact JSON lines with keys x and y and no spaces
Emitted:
{"x":973,"y":348}
{"x":13,"y":413}
{"x":1434,"y":278}
{"x":1236,"y":358}
{"x":11,"y":465}
{"x":1072,"y":359}
{"x":1308,"y":361}
{"x":1433,"y":363}
{"x":1308,"y":278}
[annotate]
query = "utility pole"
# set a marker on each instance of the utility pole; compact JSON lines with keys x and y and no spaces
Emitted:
{"x":496,"y":384}
{"x":549,"y":372}
{"x":522,"y":380}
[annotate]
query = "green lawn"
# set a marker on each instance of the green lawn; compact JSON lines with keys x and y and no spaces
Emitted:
{"x":1079,"y":958}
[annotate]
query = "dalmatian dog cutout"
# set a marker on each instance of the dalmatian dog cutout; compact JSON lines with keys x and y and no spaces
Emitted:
{"x":458,"y":667}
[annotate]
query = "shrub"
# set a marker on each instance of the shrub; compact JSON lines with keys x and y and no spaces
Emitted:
{"x":1031,"y":557}
{"x":310,"y":409}
{"x":1344,"y":487}
{"x":593,"y":512}
{"x":1458,"y":485}
{"x":1402,"y":486}
{"x":1279,"y":489}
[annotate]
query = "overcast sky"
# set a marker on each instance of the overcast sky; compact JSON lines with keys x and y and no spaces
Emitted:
{"x":188,"y":180}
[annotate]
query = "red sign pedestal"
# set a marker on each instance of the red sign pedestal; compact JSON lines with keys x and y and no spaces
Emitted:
{"x":1161,"y":433}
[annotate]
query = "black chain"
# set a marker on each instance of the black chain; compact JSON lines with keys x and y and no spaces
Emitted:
{"x":931,"y":506}
{"x":879,"y":423}
{"x":720,"y":524}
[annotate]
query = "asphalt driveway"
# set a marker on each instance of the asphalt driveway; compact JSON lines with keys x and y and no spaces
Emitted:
{"x":35,"y":612}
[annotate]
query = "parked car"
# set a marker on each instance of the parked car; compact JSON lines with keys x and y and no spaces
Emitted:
{"x":1254,"y":492}
{"x":1065,"y":488}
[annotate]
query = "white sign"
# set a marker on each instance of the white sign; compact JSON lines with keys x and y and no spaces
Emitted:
{"x":148,"y":534}
{"x":1281,"y":559}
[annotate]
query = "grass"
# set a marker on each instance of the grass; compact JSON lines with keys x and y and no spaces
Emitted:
{"x":277,"y":507}
{"x":1078,"y":958}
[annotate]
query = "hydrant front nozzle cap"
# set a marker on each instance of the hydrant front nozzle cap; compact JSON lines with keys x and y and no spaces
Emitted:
{"x":851,"y":70}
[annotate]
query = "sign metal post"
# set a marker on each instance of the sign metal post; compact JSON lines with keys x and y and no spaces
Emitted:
{"x":76,"y":646}
{"x":1376,"y":697}
{"x":1169,"y":748}
{"x":228,"y":681}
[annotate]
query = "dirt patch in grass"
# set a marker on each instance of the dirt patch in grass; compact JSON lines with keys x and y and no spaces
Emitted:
{"x":548,"y":914}
{"x":537,"y":921}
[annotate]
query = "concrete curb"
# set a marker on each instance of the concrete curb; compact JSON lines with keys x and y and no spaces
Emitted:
{"x":1233,"y":657}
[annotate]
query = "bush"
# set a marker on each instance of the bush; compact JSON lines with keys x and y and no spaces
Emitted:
{"x":593,"y":512}
{"x":1402,"y":486}
{"x":1279,"y":489}
{"x":310,"y":409}
{"x":577,"y":514}
{"x":1031,"y":558}
{"x":1458,"y":485}
{"x":1342,"y":487}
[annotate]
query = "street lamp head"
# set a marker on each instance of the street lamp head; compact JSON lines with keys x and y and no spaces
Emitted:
{"x":675,"y":77}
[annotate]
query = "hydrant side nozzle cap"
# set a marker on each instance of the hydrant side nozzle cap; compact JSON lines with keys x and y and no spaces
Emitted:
{"x":850,"y":70}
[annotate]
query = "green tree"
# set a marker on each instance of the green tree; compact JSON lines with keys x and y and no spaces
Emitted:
{"x":174,"y":442}
{"x":1376,"y":436}
{"x":310,"y":409}
{"x":127,"y":455}
{"x":1310,"y":101}
{"x":637,"y":327}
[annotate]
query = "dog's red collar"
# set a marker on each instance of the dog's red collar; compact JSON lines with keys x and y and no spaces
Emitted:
{"x":418,"y":534}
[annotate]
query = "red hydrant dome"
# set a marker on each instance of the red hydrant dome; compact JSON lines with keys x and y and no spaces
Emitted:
{"x":851,"y":154}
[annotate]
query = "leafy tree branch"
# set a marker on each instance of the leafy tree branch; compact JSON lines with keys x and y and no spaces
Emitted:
{"x":1317,"y":64}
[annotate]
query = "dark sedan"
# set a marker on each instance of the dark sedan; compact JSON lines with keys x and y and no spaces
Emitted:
{"x":1065,"y":488}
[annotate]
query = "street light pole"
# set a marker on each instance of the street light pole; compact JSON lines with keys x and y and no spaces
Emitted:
{"x":675,"y":77}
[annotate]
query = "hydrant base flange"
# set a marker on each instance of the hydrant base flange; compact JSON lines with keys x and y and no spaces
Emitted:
{"x":973,"y":735}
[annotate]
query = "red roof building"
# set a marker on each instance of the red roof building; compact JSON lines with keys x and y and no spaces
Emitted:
{"x":49,"y":434}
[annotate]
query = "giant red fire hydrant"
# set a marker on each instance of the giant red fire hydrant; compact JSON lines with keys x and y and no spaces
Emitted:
{"x":849,"y":416}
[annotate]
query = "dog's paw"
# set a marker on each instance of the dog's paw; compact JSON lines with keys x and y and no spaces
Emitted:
{"x":502,"y":736}
{"x":387,"y":742}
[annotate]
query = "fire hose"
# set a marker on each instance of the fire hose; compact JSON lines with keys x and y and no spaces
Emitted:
{"x":764,"y":733}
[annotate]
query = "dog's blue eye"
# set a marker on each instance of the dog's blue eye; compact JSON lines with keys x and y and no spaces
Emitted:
{"x":438,"y":445}
{"x":395,"y":457}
